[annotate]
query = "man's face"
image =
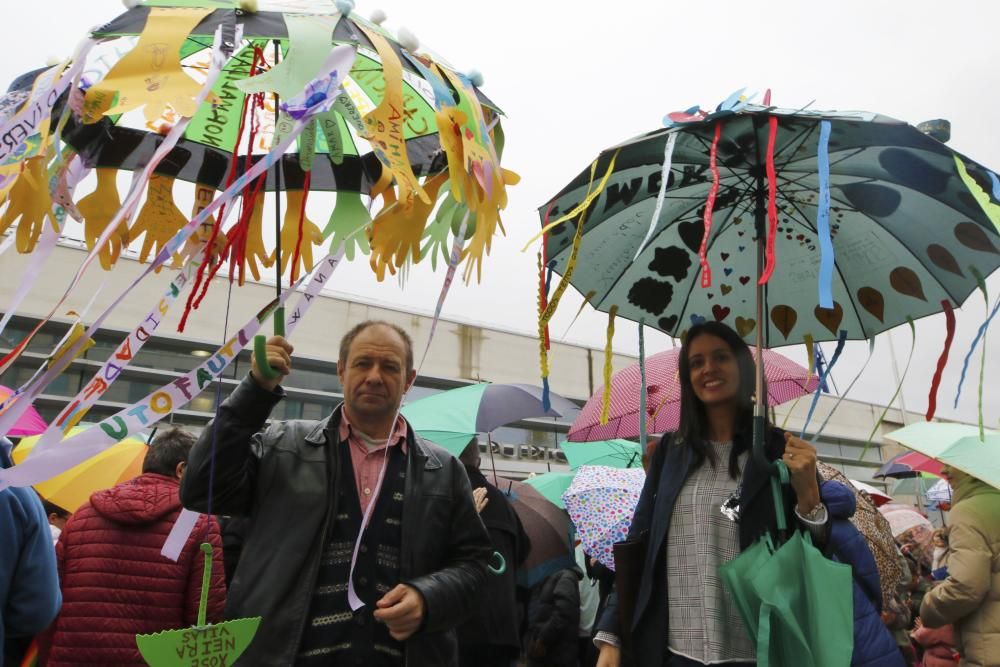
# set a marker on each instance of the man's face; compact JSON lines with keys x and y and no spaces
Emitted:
{"x":374,"y":375}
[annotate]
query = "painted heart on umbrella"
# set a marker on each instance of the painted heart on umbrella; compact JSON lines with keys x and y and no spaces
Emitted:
{"x":872,"y":301}
{"x":830,"y":317}
{"x":784,"y":319}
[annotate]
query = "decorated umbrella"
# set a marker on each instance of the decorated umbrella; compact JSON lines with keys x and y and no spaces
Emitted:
{"x":959,"y":446}
{"x":616,"y":453}
{"x":786,"y":381}
{"x":903,"y":518}
{"x":909,"y":464}
{"x":878,"y":496}
{"x":601,"y":502}
{"x":552,"y":485}
{"x":789,"y":225}
{"x":29,"y":423}
{"x":71,"y":489}
{"x":939,"y":494}
{"x":546,"y":525}
{"x":452,"y":418}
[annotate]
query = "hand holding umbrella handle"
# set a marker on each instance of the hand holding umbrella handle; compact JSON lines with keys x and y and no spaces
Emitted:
{"x":501,"y":568}
{"x":260,"y":346}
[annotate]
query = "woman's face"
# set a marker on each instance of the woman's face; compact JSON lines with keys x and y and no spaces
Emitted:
{"x":715,"y":374}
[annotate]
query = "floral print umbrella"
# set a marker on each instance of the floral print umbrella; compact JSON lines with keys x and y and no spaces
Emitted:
{"x":601,"y":501}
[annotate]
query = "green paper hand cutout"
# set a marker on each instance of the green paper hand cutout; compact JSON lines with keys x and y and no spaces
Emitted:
{"x":310,"y":40}
{"x":349,"y":217}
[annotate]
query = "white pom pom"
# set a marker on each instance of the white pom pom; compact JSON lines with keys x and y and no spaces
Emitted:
{"x":345,"y":7}
{"x":378,"y":17}
{"x":408,"y":40}
{"x":475,"y":78}
{"x":249,"y":6}
{"x":129,"y":4}
{"x":52,"y":61}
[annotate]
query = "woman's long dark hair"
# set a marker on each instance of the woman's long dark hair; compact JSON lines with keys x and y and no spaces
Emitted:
{"x":693,"y":430}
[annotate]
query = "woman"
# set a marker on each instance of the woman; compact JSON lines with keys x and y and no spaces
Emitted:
{"x":969,"y":596}
{"x":698,"y":477}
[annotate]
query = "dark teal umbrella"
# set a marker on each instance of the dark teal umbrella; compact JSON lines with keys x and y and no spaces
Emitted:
{"x":613,"y":453}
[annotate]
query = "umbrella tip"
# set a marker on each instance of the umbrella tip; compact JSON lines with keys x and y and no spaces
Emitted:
{"x":408,"y":40}
{"x":129,"y":4}
{"x":938,"y":128}
{"x":249,"y":6}
{"x":378,"y":17}
{"x":475,"y":78}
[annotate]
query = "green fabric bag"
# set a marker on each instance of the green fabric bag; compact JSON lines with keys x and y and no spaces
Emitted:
{"x":797,"y":604}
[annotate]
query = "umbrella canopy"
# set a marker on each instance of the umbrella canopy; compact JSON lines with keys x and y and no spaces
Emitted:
{"x":71,"y":489}
{"x":29,"y":423}
{"x":547,"y":526}
{"x":940,"y":493}
{"x":786,"y":381}
{"x":916,"y":485}
{"x":616,"y":453}
{"x":452,"y":418}
{"x":955,"y":445}
{"x":909,"y":464}
{"x":903,"y":518}
{"x":552,"y":485}
{"x":904,"y":224}
{"x":601,"y":502}
{"x":878,"y":496}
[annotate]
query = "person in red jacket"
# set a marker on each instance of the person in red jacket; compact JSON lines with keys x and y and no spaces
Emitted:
{"x":115,"y":583}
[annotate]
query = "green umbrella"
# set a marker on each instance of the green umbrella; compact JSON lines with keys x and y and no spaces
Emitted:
{"x":552,"y":486}
{"x":613,"y":453}
{"x":955,"y":445}
{"x":452,"y":418}
{"x":914,"y":486}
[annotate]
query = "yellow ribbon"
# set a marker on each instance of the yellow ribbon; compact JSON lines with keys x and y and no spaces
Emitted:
{"x":606,"y":398}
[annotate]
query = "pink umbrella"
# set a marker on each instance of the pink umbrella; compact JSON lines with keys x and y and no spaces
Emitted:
{"x":786,"y":380}
{"x":30,"y":423}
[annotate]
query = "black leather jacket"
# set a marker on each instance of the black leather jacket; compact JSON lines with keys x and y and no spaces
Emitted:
{"x":281,"y":479}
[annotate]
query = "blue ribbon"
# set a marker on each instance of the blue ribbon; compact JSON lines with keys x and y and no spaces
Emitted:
{"x":546,"y":400}
{"x":975,"y":342}
{"x":996,"y":185}
{"x":841,"y":339}
{"x":826,"y":258}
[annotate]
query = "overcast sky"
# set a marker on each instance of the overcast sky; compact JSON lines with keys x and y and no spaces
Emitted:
{"x":576,"y":77}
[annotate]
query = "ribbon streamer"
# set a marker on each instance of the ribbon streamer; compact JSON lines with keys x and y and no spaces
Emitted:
{"x":899,"y":387}
{"x":642,"y":390}
{"x":827,"y":258}
{"x":871,"y":350}
{"x":841,"y":339}
{"x":668,"y":156}
{"x":949,"y":315}
{"x":706,"y":270}
{"x":608,"y":368}
{"x":810,"y":352}
{"x":772,"y":201}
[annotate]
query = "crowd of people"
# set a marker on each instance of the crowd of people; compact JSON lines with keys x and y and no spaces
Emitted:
{"x":359,"y":543}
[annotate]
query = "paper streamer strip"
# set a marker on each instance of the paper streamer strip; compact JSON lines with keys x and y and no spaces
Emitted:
{"x":772,"y":201}
{"x":810,"y":352}
{"x":668,"y":156}
{"x":453,"y":260}
{"x":608,"y":368}
{"x":112,"y":368}
{"x":841,"y":339}
{"x":826,"y":257}
{"x":179,"y":533}
{"x":949,"y":315}
{"x":339,"y":64}
{"x":871,"y":350}
{"x":899,"y":387}
{"x":706,"y":270}
{"x":982,"y":377}
{"x":139,"y":181}
{"x":990,"y":209}
{"x":161,"y":402}
{"x":642,"y":390}
{"x":996,"y":185}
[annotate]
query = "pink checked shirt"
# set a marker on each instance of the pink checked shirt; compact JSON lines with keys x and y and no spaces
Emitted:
{"x":368,"y":462}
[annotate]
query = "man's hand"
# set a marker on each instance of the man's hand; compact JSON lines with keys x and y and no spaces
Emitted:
{"x":279,"y":357}
{"x":402,"y":610}
{"x":610,"y":656}
{"x":480,"y":499}
{"x":800,"y":457}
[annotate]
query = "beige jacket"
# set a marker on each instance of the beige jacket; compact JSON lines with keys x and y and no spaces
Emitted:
{"x":970,"y":596}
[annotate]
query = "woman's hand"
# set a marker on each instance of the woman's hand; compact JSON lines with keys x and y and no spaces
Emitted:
{"x":610,"y":656}
{"x":800,"y":457}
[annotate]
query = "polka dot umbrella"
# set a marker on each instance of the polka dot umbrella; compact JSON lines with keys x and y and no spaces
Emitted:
{"x":601,"y":501}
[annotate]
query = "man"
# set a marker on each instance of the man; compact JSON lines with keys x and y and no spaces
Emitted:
{"x":115,"y":583}
{"x":491,"y":636}
{"x":57,"y":518}
{"x":352,"y":508}
{"x":29,"y":588}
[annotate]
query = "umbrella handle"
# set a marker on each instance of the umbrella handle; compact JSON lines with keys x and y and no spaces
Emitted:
{"x":260,"y":346}
{"x":501,"y":568}
{"x":206,"y":582}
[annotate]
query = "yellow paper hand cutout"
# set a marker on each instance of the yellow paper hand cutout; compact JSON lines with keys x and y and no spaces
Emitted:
{"x":487,"y":215}
{"x":398,"y":228}
{"x":159,"y":219}
{"x":97,"y":209}
{"x":384,"y":124}
{"x":29,"y":204}
{"x":311,"y":235}
{"x":252,"y":248}
{"x":150,"y":74}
